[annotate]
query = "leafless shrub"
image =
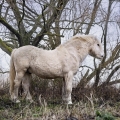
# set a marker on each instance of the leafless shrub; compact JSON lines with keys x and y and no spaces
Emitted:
{"x":4,"y":86}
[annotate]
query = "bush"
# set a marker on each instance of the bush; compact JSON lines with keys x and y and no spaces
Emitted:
{"x":104,"y":116}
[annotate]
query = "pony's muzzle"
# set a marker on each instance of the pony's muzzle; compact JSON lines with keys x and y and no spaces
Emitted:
{"x":102,"y":56}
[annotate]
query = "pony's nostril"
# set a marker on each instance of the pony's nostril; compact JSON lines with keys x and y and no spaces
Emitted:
{"x":102,"y":55}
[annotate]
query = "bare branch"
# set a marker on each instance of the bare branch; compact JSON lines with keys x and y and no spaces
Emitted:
{"x":111,"y":74}
{"x":1,"y":6}
{"x":106,"y":29}
{"x":61,"y":4}
{"x":4,"y":72}
{"x":4,"y":47}
{"x":22,"y":15}
{"x":17,"y":14}
{"x":114,"y":82}
{"x":11,"y":29}
{"x":96,"y":6}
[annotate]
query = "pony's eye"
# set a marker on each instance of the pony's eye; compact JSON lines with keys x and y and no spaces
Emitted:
{"x":98,"y":45}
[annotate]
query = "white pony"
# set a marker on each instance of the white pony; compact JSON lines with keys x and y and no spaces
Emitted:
{"x":62,"y":62}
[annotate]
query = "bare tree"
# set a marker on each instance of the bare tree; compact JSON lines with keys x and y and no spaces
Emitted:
{"x":44,"y":23}
{"x":22,"y":15}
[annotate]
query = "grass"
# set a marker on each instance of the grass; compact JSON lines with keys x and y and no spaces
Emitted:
{"x":101,"y":115}
{"x":87,"y":105}
{"x":47,"y":111}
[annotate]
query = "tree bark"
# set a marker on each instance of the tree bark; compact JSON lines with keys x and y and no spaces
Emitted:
{"x":5,"y":48}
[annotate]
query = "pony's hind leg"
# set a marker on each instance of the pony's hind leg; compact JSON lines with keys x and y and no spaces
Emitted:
{"x":17,"y":82}
{"x":26,"y":85}
{"x":67,"y":88}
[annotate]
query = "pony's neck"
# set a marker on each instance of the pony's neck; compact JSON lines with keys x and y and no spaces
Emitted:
{"x":82,"y":48}
{"x":82,"y":53}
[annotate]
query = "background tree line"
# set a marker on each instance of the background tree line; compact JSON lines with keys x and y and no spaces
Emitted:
{"x":45,"y":23}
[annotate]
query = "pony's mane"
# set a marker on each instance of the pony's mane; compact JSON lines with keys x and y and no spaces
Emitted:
{"x":84,"y":38}
{"x":87,"y":39}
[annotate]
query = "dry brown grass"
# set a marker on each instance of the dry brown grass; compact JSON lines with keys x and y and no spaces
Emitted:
{"x":48,"y":105}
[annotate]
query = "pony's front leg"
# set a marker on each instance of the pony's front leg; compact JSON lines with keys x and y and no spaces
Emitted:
{"x":26,"y":85}
{"x":67,"y":88}
{"x":17,"y":82}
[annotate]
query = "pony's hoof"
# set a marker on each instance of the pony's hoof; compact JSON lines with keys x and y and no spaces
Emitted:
{"x":69,"y":103}
{"x":17,"y":101}
{"x":31,"y":101}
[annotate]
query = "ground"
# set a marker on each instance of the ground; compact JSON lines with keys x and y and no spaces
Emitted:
{"x":88,"y":104}
{"x":50,"y":109}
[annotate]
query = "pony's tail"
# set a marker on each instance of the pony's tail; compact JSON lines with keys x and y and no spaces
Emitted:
{"x":12,"y":73}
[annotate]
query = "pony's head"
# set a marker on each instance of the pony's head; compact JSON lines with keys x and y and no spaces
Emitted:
{"x":96,"y":49}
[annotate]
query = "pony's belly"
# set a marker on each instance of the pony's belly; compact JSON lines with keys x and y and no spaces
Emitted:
{"x":45,"y":71}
